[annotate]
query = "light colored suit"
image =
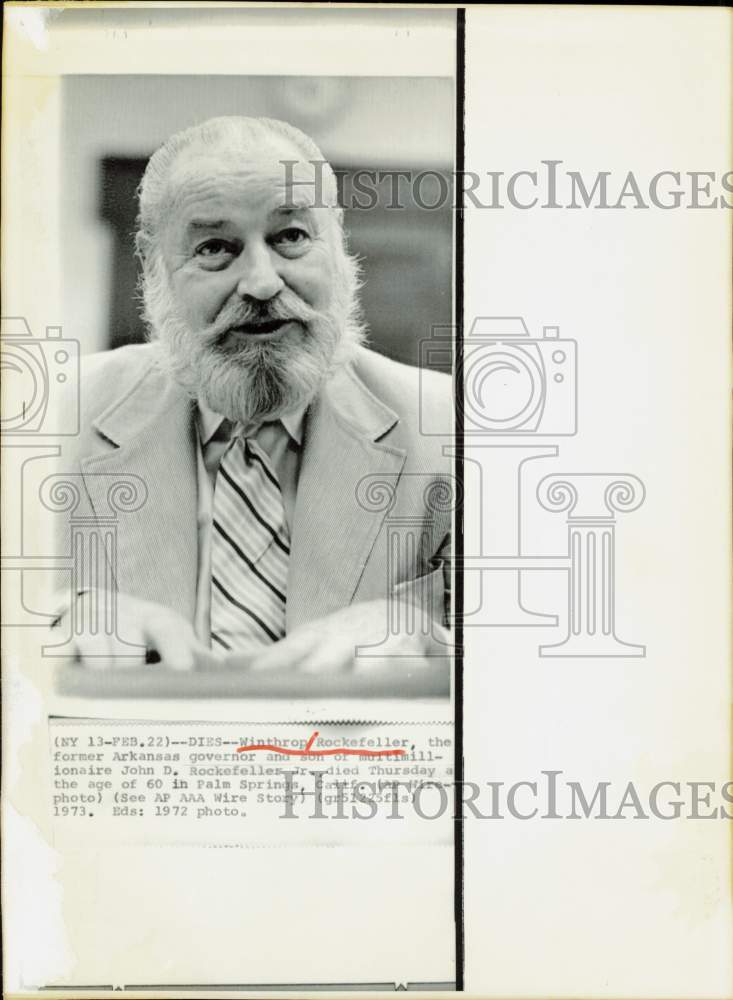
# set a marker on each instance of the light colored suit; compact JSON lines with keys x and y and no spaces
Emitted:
{"x":362,"y":430}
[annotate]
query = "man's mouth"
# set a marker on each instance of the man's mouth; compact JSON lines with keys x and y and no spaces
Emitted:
{"x":255,"y":330}
{"x":258,"y":328}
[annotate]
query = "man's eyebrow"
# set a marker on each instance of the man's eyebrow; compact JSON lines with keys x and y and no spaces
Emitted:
{"x":290,"y":209}
{"x":206,"y":224}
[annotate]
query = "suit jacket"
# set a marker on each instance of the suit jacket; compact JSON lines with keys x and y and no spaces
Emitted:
{"x":370,"y":483}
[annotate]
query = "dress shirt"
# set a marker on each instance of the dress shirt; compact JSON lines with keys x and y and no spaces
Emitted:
{"x":281,"y":440}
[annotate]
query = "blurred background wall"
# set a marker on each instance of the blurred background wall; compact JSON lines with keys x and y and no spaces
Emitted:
{"x":111,"y":124}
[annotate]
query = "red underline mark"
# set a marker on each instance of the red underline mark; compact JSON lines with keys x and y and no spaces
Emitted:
{"x":308,"y":752}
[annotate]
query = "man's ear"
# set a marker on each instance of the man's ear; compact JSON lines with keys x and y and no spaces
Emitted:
{"x":142,"y":246}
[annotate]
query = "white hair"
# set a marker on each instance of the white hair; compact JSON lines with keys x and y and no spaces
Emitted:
{"x":231,"y":133}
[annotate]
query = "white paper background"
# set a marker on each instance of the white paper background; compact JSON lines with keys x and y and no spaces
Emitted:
{"x":551,"y":907}
{"x":592,"y":908}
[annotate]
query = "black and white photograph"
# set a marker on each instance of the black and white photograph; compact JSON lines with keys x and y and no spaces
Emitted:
{"x":252,"y":404}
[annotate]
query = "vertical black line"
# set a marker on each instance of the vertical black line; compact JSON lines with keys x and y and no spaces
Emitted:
{"x":458,"y":471}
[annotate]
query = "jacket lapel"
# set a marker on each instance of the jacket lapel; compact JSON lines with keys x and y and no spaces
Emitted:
{"x":153,"y":431}
{"x":333,"y":533}
{"x":150,"y":433}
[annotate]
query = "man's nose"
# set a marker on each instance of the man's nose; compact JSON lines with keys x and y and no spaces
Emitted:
{"x":259,"y":278}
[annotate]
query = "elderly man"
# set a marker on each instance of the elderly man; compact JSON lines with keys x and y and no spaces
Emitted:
{"x":261,"y":426}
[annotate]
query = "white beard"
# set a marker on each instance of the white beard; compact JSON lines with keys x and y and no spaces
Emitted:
{"x":257,"y":381}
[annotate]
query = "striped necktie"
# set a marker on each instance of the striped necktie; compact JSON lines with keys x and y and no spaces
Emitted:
{"x":250,"y":551}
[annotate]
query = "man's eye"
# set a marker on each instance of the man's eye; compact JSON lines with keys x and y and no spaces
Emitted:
{"x":290,"y":236}
{"x":214,"y":248}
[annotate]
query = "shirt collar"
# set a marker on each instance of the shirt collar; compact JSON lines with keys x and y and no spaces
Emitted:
{"x":210,"y":423}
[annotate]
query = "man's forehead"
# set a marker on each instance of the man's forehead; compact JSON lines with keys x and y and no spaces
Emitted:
{"x":276,"y":176}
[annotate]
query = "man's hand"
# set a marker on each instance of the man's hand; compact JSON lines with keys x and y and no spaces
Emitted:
{"x":328,"y":645}
{"x":146,"y":633}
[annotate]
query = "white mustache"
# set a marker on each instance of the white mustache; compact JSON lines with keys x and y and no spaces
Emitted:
{"x":287,"y":307}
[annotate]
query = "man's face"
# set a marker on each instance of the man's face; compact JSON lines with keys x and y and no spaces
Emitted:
{"x":251,"y":318}
{"x":234,"y":234}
